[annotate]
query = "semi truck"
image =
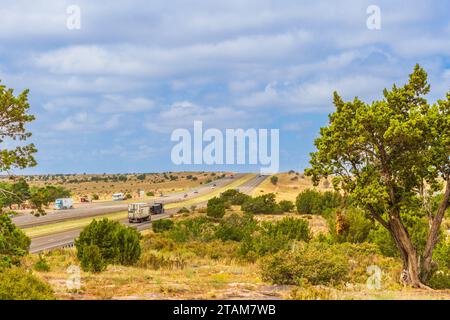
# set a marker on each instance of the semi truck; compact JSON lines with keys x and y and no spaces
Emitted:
{"x":63,"y":203}
{"x":138,"y":212}
{"x":157,"y":208}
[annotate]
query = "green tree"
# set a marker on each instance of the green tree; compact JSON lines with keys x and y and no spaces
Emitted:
{"x":13,"y":118}
{"x":14,"y":244}
{"x":215,"y":208}
{"x":389,"y":156}
{"x":274,"y":180}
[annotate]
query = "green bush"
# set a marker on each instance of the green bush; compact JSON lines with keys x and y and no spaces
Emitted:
{"x":195,"y":229}
{"x":271,"y":237}
{"x":274,"y":180}
{"x":183,"y":210}
{"x":150,"y":194}
{"x":128,"y":242}
{"x":116,"y":242}
{"x":95,"y":196}
{"x":234,"y":197}
{"x":235,"y":227}
{"x":41,"y":264}
{"x":162,"y":225}
{"x":91,"y":260}
{"x":14,"y":243}
{"x":315,"y":263}
{"x":314,"y":202}
{"x":440,"y":279}
{"x":215,"y":208}
{"x":286,"y":206}
{"x":264,"y":204}
{"x":349,"y":225}
{"x":19,"y":284}
{"x":441,"y":255}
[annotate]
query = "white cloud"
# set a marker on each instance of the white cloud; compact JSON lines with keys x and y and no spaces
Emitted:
{"x":183,"y":114}
{"x":121,"y":104}
{"x":84,"y":121}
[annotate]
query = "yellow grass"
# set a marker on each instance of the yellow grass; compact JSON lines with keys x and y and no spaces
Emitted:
{"x":288,"y":186}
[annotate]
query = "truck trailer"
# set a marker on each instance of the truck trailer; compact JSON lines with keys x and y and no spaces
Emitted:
{"x":138,"y":212}
{"x":63,"y":203}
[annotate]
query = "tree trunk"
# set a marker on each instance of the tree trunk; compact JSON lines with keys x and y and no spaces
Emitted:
{"x":433,"y":236}
{"x":411,"y":266}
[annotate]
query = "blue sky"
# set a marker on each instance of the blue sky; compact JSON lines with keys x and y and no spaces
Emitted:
{"x":107,"y":96}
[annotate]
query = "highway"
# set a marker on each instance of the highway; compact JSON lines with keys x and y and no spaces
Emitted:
{"x":66,"y":238}
{"x":92,"y":209}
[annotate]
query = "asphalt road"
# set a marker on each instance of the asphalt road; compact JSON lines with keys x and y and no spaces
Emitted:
{"x":66,"y":238}
{"x":92,"y":209}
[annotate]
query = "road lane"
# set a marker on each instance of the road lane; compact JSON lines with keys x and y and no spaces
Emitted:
{"x":100,"y":208}
{"x":66,"y":238}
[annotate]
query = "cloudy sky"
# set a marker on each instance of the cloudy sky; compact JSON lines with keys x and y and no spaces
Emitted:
{"x":108,"y":95}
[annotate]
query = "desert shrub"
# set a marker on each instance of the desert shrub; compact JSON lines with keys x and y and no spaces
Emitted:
{"x":274,"y":180}
{"x":215,"y":249}
{"x":183,"y":210}
{"x":150,"y":194}
{"x":308,"y":292}
{"x":235,"y":227}
{"x":383,"y":239}
{"x":440,"y":279}
{"x":91,"y":259}
{"x":308,"y":202}
{"x":162,"y":225}
{"x":95,"y":196}
{"x":215,"y":208}
{"x":101,"y":233}
{"x":286,"y":205}
{"x":116,"y":242}
{"x":41,"y":264}
{"x":234,"y":197}
{"x":349,"y":225}
{"x":195,"y":229}
{"x":128,"y":242}
{"x":264,"y":204}
{"x":19,"y":284}
{"x":271,"y":237}
{"x":316,"y":264}
{"x":157,"y":241}
{"x":441,"y":255}
{"x":14,"y":243}
{"x":128,"y":196}
{"x":314,"y":202}
{"x":156,"y":260}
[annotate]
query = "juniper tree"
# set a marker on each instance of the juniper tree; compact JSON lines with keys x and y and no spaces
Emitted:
{"x":391,"y":157}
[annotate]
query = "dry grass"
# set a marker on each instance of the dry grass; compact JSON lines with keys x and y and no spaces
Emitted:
{"x":289,"y":186}
{"x":153,"y":182}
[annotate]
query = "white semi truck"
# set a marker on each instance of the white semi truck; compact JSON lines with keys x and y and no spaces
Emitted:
{"x":138,"y":212}
{"x":63,"y":203}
